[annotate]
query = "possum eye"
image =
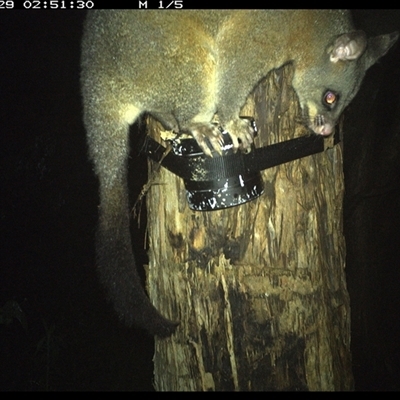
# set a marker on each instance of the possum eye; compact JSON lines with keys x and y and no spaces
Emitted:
{"x":330,"y":98}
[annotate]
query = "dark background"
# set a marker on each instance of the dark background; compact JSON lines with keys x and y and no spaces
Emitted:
{"x":56,"y":330}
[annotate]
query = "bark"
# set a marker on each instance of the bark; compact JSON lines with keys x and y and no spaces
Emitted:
{"x":259,"y":289}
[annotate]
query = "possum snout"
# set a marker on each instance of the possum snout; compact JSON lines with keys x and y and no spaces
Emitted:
{"x":321,"y":126}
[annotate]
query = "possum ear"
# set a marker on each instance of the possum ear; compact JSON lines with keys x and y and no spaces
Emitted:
{"x":348,"y":46}
{"x":378,"y":46}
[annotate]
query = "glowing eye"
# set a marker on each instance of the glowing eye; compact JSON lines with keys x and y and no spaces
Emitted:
{"x":330,"y":98}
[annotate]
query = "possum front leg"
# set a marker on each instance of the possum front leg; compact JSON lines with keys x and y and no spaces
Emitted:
{"x":206,"y":134}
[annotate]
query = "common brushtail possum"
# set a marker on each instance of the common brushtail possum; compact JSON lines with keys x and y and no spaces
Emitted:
{"x":183,"y":67}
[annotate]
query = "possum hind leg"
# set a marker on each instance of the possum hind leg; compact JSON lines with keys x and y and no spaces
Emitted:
{"x":108,"y":137}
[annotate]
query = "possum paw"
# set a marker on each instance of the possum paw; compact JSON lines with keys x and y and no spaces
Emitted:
{"x":242,"y":134}
{"x":207,"y":136}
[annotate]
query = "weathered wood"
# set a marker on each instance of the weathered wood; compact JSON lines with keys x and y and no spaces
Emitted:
{"x":259,"y":289}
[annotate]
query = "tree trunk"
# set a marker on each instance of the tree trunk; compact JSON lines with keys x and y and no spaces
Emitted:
{"x":259,"y":289}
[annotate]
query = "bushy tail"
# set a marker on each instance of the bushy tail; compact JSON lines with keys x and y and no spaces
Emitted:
{"x":119,"y":276}
{"x":109,"y":149}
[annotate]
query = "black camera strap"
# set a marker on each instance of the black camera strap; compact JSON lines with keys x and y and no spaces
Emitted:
{"x":203,"y":168}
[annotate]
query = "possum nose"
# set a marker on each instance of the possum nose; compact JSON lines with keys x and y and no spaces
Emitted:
{"x":325,"y":130}
{"x":322,"y":127}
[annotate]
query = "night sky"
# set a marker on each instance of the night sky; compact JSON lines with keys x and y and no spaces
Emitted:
{"x":57,"y":332}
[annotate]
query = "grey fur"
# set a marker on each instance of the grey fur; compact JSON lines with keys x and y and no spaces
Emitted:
{"x":183,"y":67}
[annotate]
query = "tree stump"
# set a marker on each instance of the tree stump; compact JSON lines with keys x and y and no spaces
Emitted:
{"x":259,"y":289}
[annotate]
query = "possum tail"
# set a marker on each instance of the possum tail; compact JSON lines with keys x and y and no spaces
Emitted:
{"x":108,"y":140}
